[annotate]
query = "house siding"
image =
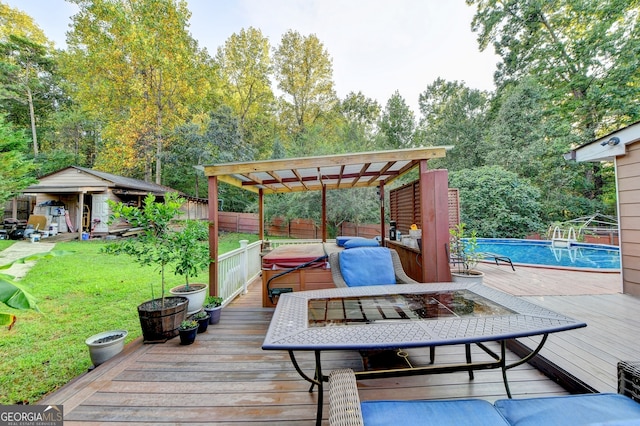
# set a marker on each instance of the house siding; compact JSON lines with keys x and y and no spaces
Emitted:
{"x":628,"y":173}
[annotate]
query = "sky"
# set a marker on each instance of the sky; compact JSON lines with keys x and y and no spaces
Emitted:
{"x":377,"y":46}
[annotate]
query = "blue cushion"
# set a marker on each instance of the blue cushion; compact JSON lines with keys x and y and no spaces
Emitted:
{"x":570,"y":410}
{"x":472,"y":412}
{"x":361,"y":242}
{"x":343,"y":239}
{"x":367,"y":266}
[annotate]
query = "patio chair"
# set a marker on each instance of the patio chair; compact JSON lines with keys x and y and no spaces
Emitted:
{"x":346,"y":409}
{"x":369,"y":264}
{"x":369,"y":255}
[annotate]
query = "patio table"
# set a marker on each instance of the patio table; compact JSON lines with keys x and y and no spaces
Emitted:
{"x":407,"y":316}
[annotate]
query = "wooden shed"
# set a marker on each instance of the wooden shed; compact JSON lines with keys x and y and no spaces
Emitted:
{"x":74,"y":199}
{"x":622,"y":147}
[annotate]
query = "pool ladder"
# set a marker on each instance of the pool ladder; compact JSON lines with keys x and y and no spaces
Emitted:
{"x":563,"y":238}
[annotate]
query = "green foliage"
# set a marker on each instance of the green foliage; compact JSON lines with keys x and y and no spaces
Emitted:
{"x":497,"y":203}
{"x":16,"y":296}
{"x":456,"y":115}
{"x":463,"y":248}
{"x":304,"y":72}
{"x":397,"y":123}
{"x":188,"y":325}
{"x":15,"y":169}
{"x":135,"y":66}
{"x":191,"y":250}
{"x":581,"y":50}
{"x":213,"y":302}
{"x":154,"y":245}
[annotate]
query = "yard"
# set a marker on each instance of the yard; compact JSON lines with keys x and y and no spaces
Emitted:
{"x":79,"y":295}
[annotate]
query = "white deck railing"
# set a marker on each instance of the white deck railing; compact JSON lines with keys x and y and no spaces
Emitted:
{"x":237,"y":268}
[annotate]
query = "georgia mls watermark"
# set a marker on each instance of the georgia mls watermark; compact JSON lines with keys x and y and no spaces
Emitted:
{"x":30,"y":415}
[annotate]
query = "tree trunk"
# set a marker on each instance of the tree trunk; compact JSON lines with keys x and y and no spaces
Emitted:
{"x":32,"y":117}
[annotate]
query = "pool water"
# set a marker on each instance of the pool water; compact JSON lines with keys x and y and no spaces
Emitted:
{"x":535,"y":252}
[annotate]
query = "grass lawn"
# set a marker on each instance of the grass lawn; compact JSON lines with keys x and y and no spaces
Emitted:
{"x":79,"y":295}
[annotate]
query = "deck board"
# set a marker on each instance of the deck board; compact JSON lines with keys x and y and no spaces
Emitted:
{"x":226,"y":378}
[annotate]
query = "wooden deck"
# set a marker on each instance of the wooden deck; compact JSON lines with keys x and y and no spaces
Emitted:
{"x":226,"y":378}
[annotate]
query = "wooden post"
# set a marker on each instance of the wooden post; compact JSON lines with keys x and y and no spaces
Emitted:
{"x":382,"y":218}
{"x":324,"y":213}
{"x":434,"y":216}
{"x":261,"y":214}
{"x":213,"y":235}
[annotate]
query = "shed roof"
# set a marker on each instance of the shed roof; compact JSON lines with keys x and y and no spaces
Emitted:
{"x":53,"y":182}
{"x":330,"y":171}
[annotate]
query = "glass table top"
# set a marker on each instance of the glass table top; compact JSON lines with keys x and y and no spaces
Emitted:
{"x":360,"y":310}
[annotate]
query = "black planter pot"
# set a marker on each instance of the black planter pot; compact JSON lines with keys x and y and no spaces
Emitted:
{"x":160,"y":323}
{"x":203,"y":323}
{"x":188,"y":336}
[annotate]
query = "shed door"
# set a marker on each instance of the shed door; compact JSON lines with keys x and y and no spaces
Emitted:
{"x":99,"y":211}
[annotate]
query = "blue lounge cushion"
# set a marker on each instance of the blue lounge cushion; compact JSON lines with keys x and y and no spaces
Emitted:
{"x":367,"y":266}
{"x":570,"y":410}
{"x":361,"y":242}
{"x":343,"y":239}
{"x":471,"y":412}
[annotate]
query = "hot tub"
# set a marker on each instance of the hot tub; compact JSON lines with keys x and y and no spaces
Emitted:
{"x":295,"y":267}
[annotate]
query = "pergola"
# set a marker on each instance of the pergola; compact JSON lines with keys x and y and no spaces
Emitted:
{"x":343,"y":171}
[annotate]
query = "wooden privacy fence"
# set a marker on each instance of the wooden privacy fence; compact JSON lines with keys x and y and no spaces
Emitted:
{"x":296,"y":228}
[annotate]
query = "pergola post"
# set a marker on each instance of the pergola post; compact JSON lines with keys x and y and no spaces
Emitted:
{"x":261,"y":214}
{"x":382,"y":218}
{"x":434,"y":189}
{"x":213,"y":235}
{"x":324,"y":213}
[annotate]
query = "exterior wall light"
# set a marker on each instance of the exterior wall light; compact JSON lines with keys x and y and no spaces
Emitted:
{"x":611,"y":142}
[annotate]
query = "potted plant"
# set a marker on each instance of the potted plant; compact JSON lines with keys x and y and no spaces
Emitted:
{"x":203,"y":320}
{"x":106,"y":345}
{"x":191,"y":257}
{"x":188,"y":330}
{"x":213,"y":306}
{"x":464,"y":255}
{"x":161,"y":316}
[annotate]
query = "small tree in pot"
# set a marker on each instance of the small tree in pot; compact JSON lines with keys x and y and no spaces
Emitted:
{"x":464,"y":255}
{"x":161,"y":316}
{"x":191,"y":258}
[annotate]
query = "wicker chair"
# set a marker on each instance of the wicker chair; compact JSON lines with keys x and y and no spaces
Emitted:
{"x":345,"y":408}
{"x":338,"y":280}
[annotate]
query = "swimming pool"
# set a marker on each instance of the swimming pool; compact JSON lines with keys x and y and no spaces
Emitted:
{"x":541,"y":253}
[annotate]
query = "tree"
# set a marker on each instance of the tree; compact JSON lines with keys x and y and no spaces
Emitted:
{"x":134,"y":65}
{"x":245,"y":67}
{"x":397,"y":123}
{"x":303,"y":70}
{"x":15,"y":22}
{"x":584,"y":51}
{"x":15,"y":170}
{"x":25,"y":69}
{"x":453,"y":114}
{"x":496,"y":202}
{"x":361,"y":116}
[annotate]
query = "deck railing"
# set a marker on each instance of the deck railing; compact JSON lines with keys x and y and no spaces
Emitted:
{"x":237,"y":268}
